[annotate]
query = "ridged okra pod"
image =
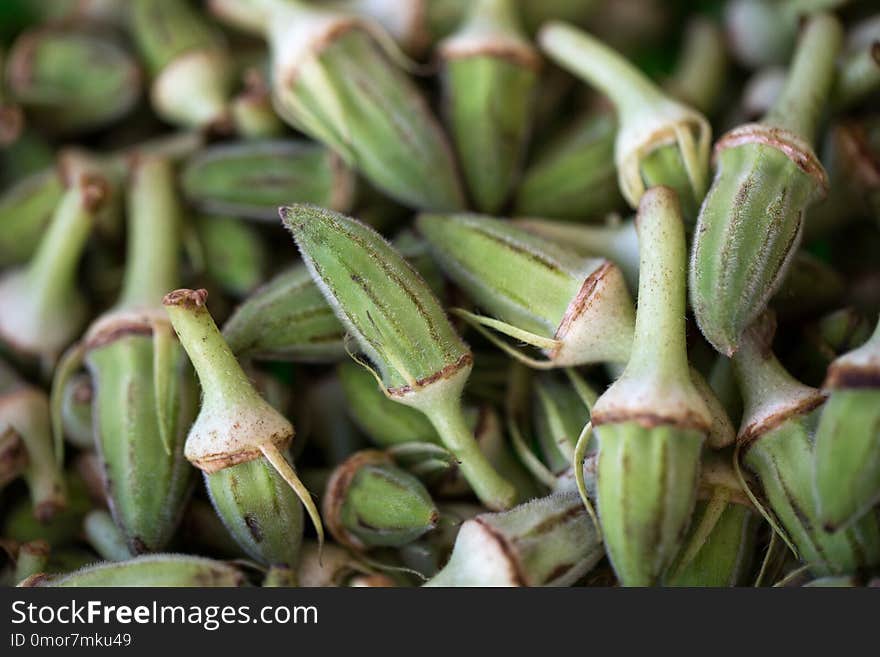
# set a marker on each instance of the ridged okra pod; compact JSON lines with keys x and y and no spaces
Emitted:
{"x":252,"y":178}
{"x":176,"y":570}
{"x":574,"y":176}
{"x":776,"y":442}
{"x":143,"y":389}
{"x":660,"y":141}
{"x":43,"y":64}
{"x":334,"y":79}
{"x":400,"y":326}
{"x":751,"y":222}
{"x":370,"y":502}
{"x":720,"y":546}
{"x":847,"y":461}
{"x":576,"y":310}
{"x":187,"y":58}
{"x":239,"y":442}
{"x":652,"y":422}
{"x":489,"y":73}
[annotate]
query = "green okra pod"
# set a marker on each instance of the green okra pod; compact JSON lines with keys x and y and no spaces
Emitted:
{"x":286,"y":319}
{"x":751,"y":222}
{"x":143,"y":390}
{"x":847,"y":458}
{"x":397,"y":322}
{"x":252,"y":178}
{"x":574,"y":176}
{"x":776,"y":442}
{"x":576,"y":310}
{"x":176,"y":570}
{"x":72,"y":79}
{"x":187,"y":58}
{"x":239,"y":441}
{"x":370,"y":502}
{"x":720,"y":545}
{"x":334,"y":80}
{"x":490,"y":73}
{"x":234,"y":254}
{"x":652,"y":422}
{"x":660,"y":141}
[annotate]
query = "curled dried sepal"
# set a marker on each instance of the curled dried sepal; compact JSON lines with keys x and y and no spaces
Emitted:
{"x":334,"y":80}
{"x":549,"y":541}
{"x":234,"y":425}
{"x":370,"y":502}
{"x":286,"y":319}
{"x":576,"y":309}
{"x":176,"y":570}
{"x":252,"y":178}
{"x":650,"y":121}
{"x":652,"y":422}
{"x":41,"y":308}
{"x":397,"y":322}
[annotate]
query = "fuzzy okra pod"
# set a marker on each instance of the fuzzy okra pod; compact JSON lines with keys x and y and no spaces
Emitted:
{"x":576,"y":310}
{"x":238,"y":440}
{"x":286,"y":319}
{"x":574,"y":176}
{"x":720,"y":546}
{"x":251,"y":179}
{"x":652,"y":422}
{"x":660,"y":141}
{"x":188,"y":61}
{"x":847,"y":459}
{"x":41,"y":307}
{"x":776,"y":442}
{"x":149,"y":570}
{"x":72,"y":79}
{"x":334,"y":78}
{"x":370,"y":502}
{"x":143,"y":390}
{"x":489,"y":73}
{"x":398,"y":323}
{"x":751,"y":222}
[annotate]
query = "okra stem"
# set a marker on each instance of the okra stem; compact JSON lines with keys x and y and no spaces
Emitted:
{"x":800,"y":105}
